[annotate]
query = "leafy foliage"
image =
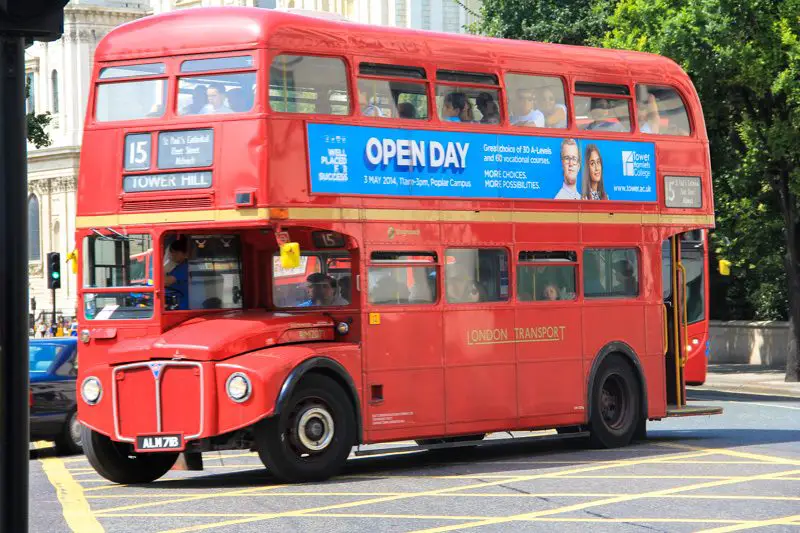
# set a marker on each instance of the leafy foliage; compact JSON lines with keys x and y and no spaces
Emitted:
{"x":37,"y":124}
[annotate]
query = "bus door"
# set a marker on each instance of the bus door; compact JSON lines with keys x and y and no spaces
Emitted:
{"x":675,"y":320}
{"x":403,"y":360}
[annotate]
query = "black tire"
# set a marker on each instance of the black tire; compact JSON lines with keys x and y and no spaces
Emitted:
{"x":448,"y":440}
{"x":615,"y":404}
{"x":325,"y":412}
{"x":70,"y":440}
{"x":641,"y":430}
{"x":117,"y":462}
{"x":569,"y":430}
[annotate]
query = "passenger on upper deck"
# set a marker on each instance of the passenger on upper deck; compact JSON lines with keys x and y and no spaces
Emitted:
{"x":406,"y":110}
{"x":599,"y":110}
{"x":649,"y":118}
{"x":555,"y":114}
{"x":455,"y":105}
{"x":524,"y":112}
{"x":199,"y":101}
{"x":368,"y":107}
{"x":216,"y":100}
{"x":489,"y":109}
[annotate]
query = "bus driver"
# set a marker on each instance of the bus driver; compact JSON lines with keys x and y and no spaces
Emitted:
{"x":177,"y":272}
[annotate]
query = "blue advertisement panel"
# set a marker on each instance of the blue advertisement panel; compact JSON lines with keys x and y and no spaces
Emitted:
{"x":362,"y":160}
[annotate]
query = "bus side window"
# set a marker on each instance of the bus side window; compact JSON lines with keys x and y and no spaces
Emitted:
{"x":392,"y":99}
{"x":610,"y":272}
{"x":546,"y":276}
{"x":661,"y":111}
{"x":308,"y":84}
{"x":536,"y":101}
{"x":402,"y":278}
{"x":476,"y":275}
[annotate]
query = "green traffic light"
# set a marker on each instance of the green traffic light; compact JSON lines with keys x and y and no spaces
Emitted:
{"x":56,"y":275}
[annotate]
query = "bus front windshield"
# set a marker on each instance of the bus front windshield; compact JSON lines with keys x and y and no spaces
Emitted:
{"x":323,"y":279}
{"x":117,"y":260}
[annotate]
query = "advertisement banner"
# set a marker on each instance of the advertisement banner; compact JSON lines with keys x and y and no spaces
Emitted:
{"x":362,"y":160}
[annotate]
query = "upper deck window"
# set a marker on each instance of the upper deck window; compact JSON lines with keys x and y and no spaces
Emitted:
{"x":130,"y":100}
{"x":468,"y":104}
{"x":217,"y":63}
{"x":398,"y":71}
{"x":133,"y":71}
{"x":392,"y":99}
{"x":308,"y":84}
{"x":216,"y":94}
{"x":536,"y":101}
{"x":661,"y":111}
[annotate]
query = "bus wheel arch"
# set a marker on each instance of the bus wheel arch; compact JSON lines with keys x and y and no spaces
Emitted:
{"x":329,"y":368}
{"x":626,"y":366}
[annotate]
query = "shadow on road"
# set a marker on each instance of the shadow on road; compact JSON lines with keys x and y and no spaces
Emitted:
{"x":699,"y":395}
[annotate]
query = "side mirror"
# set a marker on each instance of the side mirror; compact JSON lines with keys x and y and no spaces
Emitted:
{"x":724,"y":267}
{"x":290,"y":255}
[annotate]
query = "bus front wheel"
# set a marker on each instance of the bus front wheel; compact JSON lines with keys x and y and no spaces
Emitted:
{"x":117,"y":462}
{"x":615,"y":404}
{"x":311,"y":438}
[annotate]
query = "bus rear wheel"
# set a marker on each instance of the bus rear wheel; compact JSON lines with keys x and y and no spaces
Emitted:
{"x":615,"y":404}
{"x":117,"y":462}
{"x":311,"y":438}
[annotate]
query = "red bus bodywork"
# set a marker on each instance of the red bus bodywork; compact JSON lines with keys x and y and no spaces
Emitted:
{"x":412,"y":372}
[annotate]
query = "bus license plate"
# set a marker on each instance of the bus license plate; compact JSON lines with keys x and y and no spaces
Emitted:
{"x":159,"y":443}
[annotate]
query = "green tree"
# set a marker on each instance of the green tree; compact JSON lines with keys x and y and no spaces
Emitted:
{"x":744,"y":58}
{"x":552,"y":21}
{"x":37,"y":135}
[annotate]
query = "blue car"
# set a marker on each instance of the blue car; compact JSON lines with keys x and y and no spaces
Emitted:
{"x":53,"y":371}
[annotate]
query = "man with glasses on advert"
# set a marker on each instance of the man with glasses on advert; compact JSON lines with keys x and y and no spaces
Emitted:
{"x":571,"y":165}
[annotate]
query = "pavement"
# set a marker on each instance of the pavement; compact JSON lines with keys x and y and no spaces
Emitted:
{"x":749,"y":379}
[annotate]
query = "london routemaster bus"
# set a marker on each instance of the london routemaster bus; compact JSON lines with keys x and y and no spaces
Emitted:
{"x":365,"y":234}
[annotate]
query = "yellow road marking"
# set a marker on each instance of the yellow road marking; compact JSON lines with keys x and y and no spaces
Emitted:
{"x":76,"y":509}
{"x":186,"y":499}
{"x":733,"y":453}
{"x":607,"y":501}
{"x":436,"y":492}
{"x":756,"y":523}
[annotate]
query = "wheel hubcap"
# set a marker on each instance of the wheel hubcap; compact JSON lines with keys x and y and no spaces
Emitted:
{"x":315,"y":429}
{"x":613,"y":402}
{"x":75,"y":431}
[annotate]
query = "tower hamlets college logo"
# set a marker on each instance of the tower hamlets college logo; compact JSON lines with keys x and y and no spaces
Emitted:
{"x":627,"y":163}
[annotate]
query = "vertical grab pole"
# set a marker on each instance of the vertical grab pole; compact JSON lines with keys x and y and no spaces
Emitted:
{"x":676,"y":334}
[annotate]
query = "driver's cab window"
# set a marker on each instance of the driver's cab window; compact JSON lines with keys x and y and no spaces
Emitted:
{"x":322,"y":279}
{"x":202,"y":272}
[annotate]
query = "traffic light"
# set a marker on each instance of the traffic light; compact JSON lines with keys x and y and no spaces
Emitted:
{"x":53,"y":270}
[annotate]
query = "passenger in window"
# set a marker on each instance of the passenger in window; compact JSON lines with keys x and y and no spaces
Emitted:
{"x":216,"y":100}
{"x":238,"y":100}
{"x":460,"y":286}
{"x":649,"y":118}
{"x":176,"y":268}
{"x":570,"y":165}
{"x":592,"y":275}
{"x":592,"y":186}
{"x":199,"y":101}
{"x":455,"y":105}
{"x":550,"y":292}
{"x":524,"y":110}
{"x":368,"y":108}
{"x":321,"y":291}
{"x":600,"y":111}
{"x":555,"y":114}
{"x":626,"y":277}
{"x":490,"y":111}
{"x":467,"y":115}
{"x":406,"y":110}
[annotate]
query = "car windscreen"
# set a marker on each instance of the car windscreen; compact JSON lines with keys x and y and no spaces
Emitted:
{"x":41,"y":356}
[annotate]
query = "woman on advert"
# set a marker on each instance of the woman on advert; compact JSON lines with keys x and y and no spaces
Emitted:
{"x":592,"y":186}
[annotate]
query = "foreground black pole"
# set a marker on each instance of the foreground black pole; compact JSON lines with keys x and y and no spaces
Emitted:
{"x":14,"y":407}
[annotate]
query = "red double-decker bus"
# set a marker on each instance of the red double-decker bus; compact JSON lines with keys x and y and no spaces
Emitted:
{"x":367,"y":234}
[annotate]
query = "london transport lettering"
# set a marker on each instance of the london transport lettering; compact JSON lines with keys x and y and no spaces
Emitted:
{"x":515,"y":335}
{"x":388,"y":161}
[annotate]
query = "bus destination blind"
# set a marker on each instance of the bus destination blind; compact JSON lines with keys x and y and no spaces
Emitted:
{"x":361,"y":160}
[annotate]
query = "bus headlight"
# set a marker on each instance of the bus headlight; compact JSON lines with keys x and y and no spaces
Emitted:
{"x":342,"y":328}
{"x":238,"y":387}
{"x":91,"y":390}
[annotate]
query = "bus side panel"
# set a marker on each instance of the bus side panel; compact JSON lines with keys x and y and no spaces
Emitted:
{"x":550,"y":371}
{"x":480,"y":376}
{"x":653,"y":361}
{"x":404,"y":387}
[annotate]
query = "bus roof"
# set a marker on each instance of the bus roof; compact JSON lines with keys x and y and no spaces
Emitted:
{"x":234,"y":28}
